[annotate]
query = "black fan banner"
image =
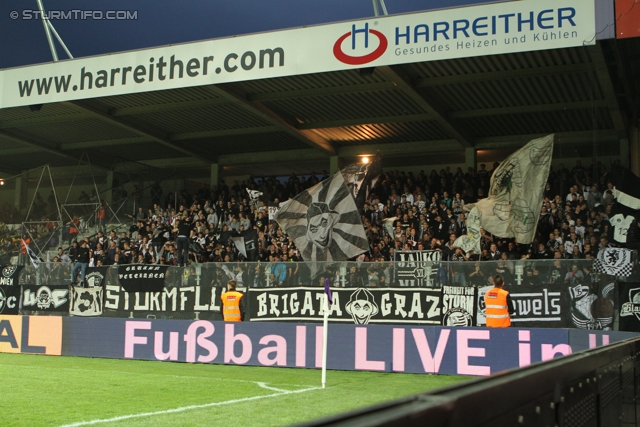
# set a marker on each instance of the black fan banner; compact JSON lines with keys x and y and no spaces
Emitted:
{"x":142,"y":277}
{"x":10,"y":274}
{"x":9,"y":299}
{"x":45,"y":298}
{"x":350,"y":305}
{"x":183,"y":299}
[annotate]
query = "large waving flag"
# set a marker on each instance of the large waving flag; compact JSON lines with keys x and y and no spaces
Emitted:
{"x":515,"y":196}
{"x":324,"y":223}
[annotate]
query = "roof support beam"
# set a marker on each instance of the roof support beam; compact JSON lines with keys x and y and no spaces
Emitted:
{"x":365,"y":121}
{"x":500,"y":75}
{"x":399,"y":148}
{"x":307,"y":137}
{"x":171,"y":106}
{"x":337,"y":90}
{"x":437,"y":112}
{"x":223,"y":132}
{"x":42,"y":145}
{"x":561,"y":138}
{"x":104,"y":143}
{"x":310,"y":154}
{"x":43,"y":120}
{"x":604,"y":78}
{"x":104,"y":115}
{"x":22,"y":150}
{"x":485,"y":112}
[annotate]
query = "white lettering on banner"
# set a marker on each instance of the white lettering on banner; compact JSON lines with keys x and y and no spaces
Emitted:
{"x":358,"y":305}
{"x":426,"y":36}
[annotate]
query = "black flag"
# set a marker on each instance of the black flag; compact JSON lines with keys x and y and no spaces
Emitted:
{"x":361,"y":178}
{"x":626,"y":187}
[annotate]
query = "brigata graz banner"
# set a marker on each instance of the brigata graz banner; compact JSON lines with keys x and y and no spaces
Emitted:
{"x":492,"y":29}
{"x":350,"y":305}
{"x":387,"y":348}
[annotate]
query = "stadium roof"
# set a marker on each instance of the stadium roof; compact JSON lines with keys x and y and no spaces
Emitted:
{"x":416,"y":113}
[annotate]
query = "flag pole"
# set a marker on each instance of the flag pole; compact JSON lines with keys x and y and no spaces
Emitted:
{"x":325,"y":333}
{"x":328,"y":299}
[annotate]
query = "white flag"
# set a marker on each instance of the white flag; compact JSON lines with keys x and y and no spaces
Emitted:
{"x":254,"y":194}
{"x":471,"y":240}
{"x":388,"y":225}
{"x":515,"y":196}
{"x":32,"y":255}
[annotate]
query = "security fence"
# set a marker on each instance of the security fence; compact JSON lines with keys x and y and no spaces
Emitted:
{"x":545,"y":293}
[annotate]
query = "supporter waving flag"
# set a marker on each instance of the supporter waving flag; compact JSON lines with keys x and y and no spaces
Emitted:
{"x":516,"y":192}
{"x":32,"y":255}
{"x":324,"y":223}
{"x":361,"y":178}
{"x":626,"y":187}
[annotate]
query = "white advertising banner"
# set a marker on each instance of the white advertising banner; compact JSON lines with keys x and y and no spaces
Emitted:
{"x":428,"y":36}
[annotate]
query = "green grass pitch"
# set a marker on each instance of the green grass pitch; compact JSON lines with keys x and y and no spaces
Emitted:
{"x":75,"y":391}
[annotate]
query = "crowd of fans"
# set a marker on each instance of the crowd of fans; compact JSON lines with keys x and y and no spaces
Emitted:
{"x":429,"y":210}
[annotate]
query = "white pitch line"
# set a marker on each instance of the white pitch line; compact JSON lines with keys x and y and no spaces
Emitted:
{"x":190,"y":407}
{"x":109,"y":372}
{"x":264,"y":385}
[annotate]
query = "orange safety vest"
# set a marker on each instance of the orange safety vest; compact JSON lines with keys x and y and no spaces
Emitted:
{"x":495,"y":301}
{"x":231,"y":306}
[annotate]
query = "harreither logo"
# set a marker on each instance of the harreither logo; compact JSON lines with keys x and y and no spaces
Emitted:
{"x":360,"y":39}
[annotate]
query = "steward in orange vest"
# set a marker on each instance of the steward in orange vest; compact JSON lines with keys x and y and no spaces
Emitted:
{"x":498,"y":305}
{"x":232,"y":304}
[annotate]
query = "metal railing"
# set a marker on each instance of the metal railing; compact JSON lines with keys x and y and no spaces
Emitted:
{"x":598,"y":388}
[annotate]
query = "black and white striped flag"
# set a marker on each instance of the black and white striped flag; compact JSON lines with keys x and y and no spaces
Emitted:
{"x":324,"y":222}
{"x":32,"y":255}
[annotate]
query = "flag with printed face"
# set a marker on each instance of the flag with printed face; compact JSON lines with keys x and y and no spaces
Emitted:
{"x":32,"y":255}
{"x":512,"y":208}
{"x":324,"y":223}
